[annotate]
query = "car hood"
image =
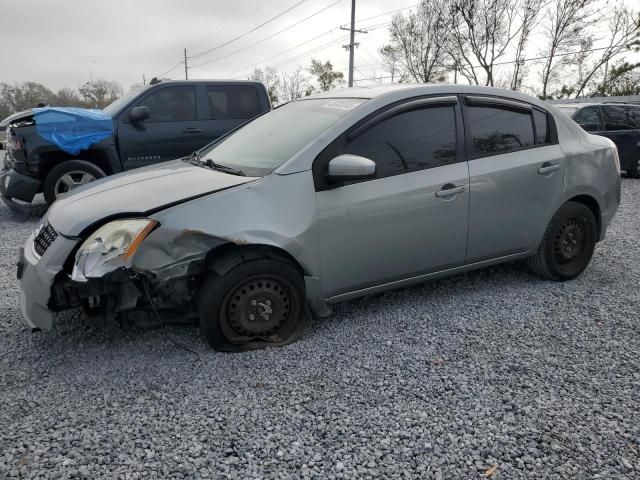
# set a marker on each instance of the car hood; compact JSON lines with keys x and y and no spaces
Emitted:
{"x":24,"y":115}
{"x":137,"y":192}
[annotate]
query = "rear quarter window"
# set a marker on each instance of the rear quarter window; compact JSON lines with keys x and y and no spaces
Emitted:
{"x":615,"y":117}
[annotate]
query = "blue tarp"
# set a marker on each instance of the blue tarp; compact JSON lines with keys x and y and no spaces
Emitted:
{"x":72,"y":129}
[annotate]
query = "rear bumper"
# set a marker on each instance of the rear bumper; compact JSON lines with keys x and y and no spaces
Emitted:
{"x":19,"y":186}
{"x":36,"y":279}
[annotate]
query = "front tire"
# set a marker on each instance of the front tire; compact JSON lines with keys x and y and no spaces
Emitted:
{"x":568,"y":243}
{"x":67,"y":176}
{"x":258,"y":303}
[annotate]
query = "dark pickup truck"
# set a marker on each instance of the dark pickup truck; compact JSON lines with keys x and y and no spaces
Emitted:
{"x":150,"y":125}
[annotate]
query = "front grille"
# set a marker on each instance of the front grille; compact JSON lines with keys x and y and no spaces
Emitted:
{"x":44,"y":239}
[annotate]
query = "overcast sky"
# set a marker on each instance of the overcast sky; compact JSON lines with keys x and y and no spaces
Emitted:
{"x":62,"y":43}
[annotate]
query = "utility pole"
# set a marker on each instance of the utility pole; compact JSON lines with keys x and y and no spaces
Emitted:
{"x":144,"y":79}
{"x":352,"y":44}
{"x":186,"y":67}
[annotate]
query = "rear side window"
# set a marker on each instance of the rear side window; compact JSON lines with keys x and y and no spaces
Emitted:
{"x":496,"y":130}
{"x":171,"y":104}
{"x":232,"y":102}
{"x":409,"y":141}
{"x":542,"y":129}
{"x":634,"y":116}
{"x":589,"y":119}
{"x":615,"y":118}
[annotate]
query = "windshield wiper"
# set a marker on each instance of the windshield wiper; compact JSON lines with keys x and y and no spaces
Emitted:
{"x":195,"y":159}
{"x":223,"y":168}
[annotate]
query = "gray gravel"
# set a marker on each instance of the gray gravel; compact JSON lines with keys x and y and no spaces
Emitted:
{"x":440,"y":381}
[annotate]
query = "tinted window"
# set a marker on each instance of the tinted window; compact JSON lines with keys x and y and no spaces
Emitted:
{"x":233,"y":101}
{"x":634,"y":116}
{"x":171,"y":104}
{"x":615,"y":118}
{"x":540,"y":119}
{"x":409,"y":141}
{"x":589,"y":119}
{"x":496,"y":130}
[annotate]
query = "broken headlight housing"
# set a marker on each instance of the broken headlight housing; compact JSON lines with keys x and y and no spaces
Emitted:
{"x":110,"y":247}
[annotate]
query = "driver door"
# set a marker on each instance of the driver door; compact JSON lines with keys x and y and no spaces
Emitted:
{"x":403,"y":223}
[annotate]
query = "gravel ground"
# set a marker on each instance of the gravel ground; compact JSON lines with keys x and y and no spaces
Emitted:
{"x":447,"y":380}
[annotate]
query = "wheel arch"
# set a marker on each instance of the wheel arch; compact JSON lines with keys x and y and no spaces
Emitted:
{"x":592,"y":204}
{"x":223,"y":258}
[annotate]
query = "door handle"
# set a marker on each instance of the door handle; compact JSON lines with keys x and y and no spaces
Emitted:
{"x":548,"y":167}
{"x":449,"y":190}
{"x":192,"y":130}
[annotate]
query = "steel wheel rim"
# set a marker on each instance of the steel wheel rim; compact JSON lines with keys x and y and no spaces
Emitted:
{"x":259,"y":306}
{"x":72,"y":180}
{"x":570,"y":242}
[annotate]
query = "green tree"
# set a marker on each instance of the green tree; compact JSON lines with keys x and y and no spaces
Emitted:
{"x":325,"y":75}
{"x":100,"y":93}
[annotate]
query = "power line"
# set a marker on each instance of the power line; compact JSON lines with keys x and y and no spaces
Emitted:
{"x":388,"y":13}
{"x":263,"y":61}
{"x":311,"y":52}
{"x":249,"y":31}
{"x":270,"y":36}
{"x":170,"y":70}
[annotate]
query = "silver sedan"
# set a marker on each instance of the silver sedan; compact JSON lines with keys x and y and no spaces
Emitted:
{"x":324,"y":199}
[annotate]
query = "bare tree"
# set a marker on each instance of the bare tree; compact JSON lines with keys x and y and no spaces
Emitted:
{"x":17,"y":97}
{"x":292,"y":85}
{"x":529,"y":15}
{"x":392,"y":63}
{"x":67,"y":97}
{"x":623,"y":28}
{"x":419,"y":42}
{"x":268,"y":77}
{"x":566,"y":27}
{"x":482,"y":31}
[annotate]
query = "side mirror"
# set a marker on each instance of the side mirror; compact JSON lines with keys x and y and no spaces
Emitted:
{"x":345,"y":168}
{"x":138,"y":114}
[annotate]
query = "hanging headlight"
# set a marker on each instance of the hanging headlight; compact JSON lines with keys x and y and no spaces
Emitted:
{"x":110,"y":247}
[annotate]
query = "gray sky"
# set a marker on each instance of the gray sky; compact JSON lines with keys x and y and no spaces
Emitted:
{"x":61,"y":43}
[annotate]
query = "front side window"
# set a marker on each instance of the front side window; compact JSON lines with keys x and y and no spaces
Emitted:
{"x":496,"y":130}
{"x":232,"y":101}
{"x":265,"y":143}
{"x":171,"y":104}
{"x":589,"y":119}
{"x":615,"y":118}
{"x":409,"y":141}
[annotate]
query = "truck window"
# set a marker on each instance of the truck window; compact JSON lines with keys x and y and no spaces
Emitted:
{"x":615,"y":118}
{"x":232,"y":102}
{"x":171,"y":104}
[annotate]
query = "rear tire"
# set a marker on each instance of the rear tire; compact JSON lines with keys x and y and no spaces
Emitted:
{"x":258,"y":303}
{"x":634,"y":170}
{"x":568,"y":243}
{"x":67,"y":176}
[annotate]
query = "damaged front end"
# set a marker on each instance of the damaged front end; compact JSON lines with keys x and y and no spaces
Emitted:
{"x":132,"y":269}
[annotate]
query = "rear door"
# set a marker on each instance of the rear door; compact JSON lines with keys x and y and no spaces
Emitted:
{"x":516,"y":171}
{"x":411,"y":219}
{"x":227,"y":106}
{"x":619,"y":129}
{"x":171,"y":131}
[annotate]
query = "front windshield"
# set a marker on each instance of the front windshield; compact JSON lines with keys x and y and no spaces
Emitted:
{"x":115,"y":106}
{"x":265,"y":143}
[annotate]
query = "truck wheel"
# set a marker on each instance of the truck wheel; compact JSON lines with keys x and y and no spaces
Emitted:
{"x":68,"y":175}
{"x":568,"y":243}
{"x":634,"y":170}
{"x":258,"y":303}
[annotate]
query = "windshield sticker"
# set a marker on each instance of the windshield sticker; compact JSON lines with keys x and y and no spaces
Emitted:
{"x":342,"y":104}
